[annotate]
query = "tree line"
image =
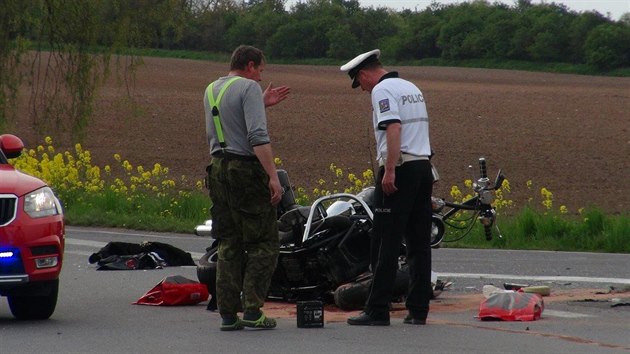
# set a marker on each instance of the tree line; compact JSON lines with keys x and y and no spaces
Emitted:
{"x":70,"y":32}
{"x":545,"y":32}
{"x":339,"y":29}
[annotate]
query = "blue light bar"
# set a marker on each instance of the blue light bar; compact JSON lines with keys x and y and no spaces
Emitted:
{"x":6,"y":254}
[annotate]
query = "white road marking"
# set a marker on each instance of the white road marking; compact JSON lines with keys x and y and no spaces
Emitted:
{"x":536,"y":278}
{"x":97,"y":231}
{"x":564,"y":314}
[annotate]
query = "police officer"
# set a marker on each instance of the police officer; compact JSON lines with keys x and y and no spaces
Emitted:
{"x":402,"y":199}
{"x":244,"y":188}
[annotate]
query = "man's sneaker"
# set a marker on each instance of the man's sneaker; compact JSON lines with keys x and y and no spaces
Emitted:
{"x":415,"y":321}
{"x":263,"y":322}
{"x":366,"y":320}
{"x":231,"y":324}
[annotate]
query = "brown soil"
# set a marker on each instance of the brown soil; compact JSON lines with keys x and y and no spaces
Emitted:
{"x":568,"y":133}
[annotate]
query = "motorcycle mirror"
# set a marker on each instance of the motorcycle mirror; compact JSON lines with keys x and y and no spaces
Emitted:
{"x":498,"y":182}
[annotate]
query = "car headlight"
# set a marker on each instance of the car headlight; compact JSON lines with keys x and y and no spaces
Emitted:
{"x":41,"y":203}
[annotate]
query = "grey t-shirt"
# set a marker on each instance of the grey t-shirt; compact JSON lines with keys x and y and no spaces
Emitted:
{"x":242,"y":116}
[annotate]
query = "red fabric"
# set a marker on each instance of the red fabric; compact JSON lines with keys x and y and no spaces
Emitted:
{"x":513,"y":306}
{"x":175,"y":290}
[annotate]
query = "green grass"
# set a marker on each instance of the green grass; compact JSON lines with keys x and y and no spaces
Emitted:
{"x":152,"y":213}
{"x":528,"y":230}
{"x":537,"y":230}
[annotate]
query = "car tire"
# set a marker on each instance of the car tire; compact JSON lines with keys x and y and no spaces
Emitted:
{"x":207,"y":274}
{"x":35,"y":307}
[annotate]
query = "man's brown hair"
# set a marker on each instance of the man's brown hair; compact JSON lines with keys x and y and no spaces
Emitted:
{"x":243,"y":55}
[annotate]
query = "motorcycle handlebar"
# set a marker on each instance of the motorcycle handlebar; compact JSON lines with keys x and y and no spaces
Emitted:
{"x":482,"y":168}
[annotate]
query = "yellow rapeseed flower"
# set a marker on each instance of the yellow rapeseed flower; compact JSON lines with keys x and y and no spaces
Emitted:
{"x":157,"y":169}
{"x":455,"y":192}
{"x":547,"y":198}
{"x":506,"y":185}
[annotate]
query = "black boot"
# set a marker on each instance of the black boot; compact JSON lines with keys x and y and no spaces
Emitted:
{"x":365,"y":319}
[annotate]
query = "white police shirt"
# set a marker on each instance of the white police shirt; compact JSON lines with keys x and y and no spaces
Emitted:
{"x":397,"y":100}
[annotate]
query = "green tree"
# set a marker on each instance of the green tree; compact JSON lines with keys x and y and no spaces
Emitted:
{"x":256,"y":24}
{"x":343,"y":43}
{"x":578,"y":31}
{"x":459,"y":36}
{"x":73,"y":43}
{"x":500,"y":27}
{"x":206,"y":24}
{"x":298,"y":40}
{"x":417,"y":36}
{"x":13,"y":45}
{"x":608,"y":46}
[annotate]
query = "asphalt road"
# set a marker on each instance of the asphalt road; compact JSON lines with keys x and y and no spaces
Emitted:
{"x":95,"y":313}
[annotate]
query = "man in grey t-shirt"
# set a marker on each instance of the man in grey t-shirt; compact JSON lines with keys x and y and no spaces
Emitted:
{"x":244,"y":188}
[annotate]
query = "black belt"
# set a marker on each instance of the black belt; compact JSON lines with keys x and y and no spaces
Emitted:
{"x":230,"y":156}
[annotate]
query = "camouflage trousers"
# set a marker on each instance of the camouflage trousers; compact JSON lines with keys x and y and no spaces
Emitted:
{"x":244,"y":222}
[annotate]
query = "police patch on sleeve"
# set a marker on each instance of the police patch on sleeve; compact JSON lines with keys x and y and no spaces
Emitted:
{"x":383,"y":105}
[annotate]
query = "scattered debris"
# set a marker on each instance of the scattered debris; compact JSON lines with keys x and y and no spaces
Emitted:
{"x":509,"y":305}
{"x":513,"y":286}
{"x":616,"y":302}
{"x":173,"y":291}
{"x":146,"y":255}
{"x":613,"y":290}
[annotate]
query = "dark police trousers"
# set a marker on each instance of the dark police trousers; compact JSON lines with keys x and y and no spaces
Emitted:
{"x":244,"y":221}
{"x":405,"y":213}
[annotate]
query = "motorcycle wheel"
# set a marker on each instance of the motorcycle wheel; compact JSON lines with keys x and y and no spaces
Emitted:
{"x":437,"y":231}
{"x":207,"y":274}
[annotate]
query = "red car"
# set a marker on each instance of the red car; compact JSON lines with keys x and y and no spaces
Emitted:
{"x":31,"y":238}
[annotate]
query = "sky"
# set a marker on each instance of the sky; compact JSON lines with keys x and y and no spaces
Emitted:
{"x":612,"y":8}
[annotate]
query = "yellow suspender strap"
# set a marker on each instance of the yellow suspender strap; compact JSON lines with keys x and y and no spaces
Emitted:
{"x":215,"y":108}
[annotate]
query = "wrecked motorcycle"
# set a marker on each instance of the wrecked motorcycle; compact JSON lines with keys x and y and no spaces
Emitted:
{"x":325,"y":247}
{"x":461,"y":217}
{"x":322,"y":246}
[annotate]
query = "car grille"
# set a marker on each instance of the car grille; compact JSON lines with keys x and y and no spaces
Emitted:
{"x":8,"y":206}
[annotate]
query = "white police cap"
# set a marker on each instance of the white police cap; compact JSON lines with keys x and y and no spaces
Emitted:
{"x":356,"y":64}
